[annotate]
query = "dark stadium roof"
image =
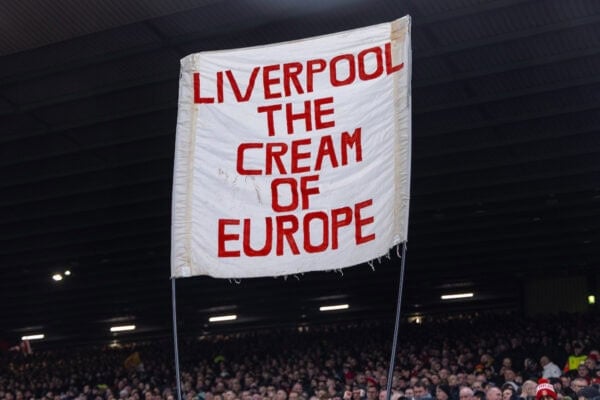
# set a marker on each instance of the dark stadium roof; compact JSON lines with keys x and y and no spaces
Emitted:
{"x":505,"y":173}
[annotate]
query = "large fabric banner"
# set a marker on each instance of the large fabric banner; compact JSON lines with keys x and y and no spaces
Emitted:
{"x":293,"y":157}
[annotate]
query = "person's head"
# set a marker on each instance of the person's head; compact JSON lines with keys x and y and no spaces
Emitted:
{"x":465,"y":393}
{"x":281,"y":395}
{"x":442,"y":392}
{"x":583,"y":371}
{"x":545,"y":390}
{"x":507,"y":393}
{"x":588,"y":393}
{"x":493,"y":393}
{"x":577,"y":384}
{"x":591,"y":362}
{"x":528,"y":389}
{"x":509,"y":375}
{"x":544,"y":360}
{"x":420,"y":390}
{"x":477,"y":385}
{"x":372,"y":392}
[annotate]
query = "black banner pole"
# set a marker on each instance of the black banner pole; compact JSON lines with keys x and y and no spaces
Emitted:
{"x":177,"y":372}
{"x":397,"y":325}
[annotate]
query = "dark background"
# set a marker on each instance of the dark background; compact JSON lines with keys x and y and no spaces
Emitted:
{"x":505,"y":174}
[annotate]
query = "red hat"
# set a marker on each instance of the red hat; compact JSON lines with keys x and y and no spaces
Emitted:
{"x":372,"y":381}
{"x":544,"y":388}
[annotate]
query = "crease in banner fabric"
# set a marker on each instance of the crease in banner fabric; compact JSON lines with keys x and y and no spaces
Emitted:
{"x":293,"y":157}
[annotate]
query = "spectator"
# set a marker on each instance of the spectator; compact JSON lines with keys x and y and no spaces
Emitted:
{"x":588,"y":393}
{"x":544,"y":390}
{"x":549,"y":369}
{"x":442,"y":392}
{"x":575,"y":359}
{"x":493,"y":393}
{"x":421,"y":392}
{"x":528,"y":390}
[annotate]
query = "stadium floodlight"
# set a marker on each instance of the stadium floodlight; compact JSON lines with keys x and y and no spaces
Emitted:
{"x":122,"y":328}
{"x":37,"y":336}
{"x":334,"y":307}
{"x":591,"y":299}
{"x":221,"y":318}
{"x":57,"y":277}
{"x":456,"y":296}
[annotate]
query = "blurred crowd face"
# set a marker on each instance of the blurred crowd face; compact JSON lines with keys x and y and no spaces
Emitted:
{"x":507,"y":394}
{"x":493,"y":393}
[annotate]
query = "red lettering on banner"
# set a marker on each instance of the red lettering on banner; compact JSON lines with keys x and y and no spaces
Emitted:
{"x":240,"y":159}
{"x":315,"y":110}
{"x":290,"y":76}
{"x":320,"y":112}
{"x":269,"y":81}
{"x":334,"y":79}
{"x":324,"y":218}
{"x":288,"y":79}
{"x":270,"y":110}
{"x":389,"y":68}
{"x":362,"y":71}
{"x":197,"y":98}
{"x":294,"y":190}
{"x":299,"y":156}
{"x":360,"y":222}
{"x":283,"y":233}
{"x":291,"y":116}
{"x":281,"y":158}
{"x":350,"y":141}
{"x":287,"y":226}
{"x":226,"y":237}
{"x":264,"y":251}
{"x":340,"y":217}
{"x":236,"y":89}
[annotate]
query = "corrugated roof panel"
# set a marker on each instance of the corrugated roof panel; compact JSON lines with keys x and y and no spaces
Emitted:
{"x":546,"y":103}
{"x":427,"y":97}
{"x":521,"y":17}
{"x":137,"y":100}
{"x":76,"y":51}
{"x":429,"y":69}
{"x":97,"y":78}
{"x":36,"y":23}
{"x":562,"y":73}
{"x":432,"y":7}
{"x":445,"y":120}
{"x":517,"y":132}
{"x":527,"y":49}
{"x":210,"y":20}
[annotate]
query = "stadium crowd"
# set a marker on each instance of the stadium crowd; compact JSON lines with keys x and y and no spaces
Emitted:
{"x":495,"y":357}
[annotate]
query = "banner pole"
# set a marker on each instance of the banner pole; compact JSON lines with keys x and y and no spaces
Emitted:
{"x":177,"y":372}
{"x":397,"y":325}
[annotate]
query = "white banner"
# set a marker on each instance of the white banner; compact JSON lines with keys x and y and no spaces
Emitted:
{"x":293,"y":157}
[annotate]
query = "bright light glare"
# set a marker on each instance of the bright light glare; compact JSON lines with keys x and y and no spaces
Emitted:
{"x":221,"y":318}
{"x":122,"y":328}
{"x":57,"y":277}
{"x":591,"y":299}
{"x":33,"y":337}
{"x":67,"y":272}
{"x":335,"y":307}
{"x":456,"y":296}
